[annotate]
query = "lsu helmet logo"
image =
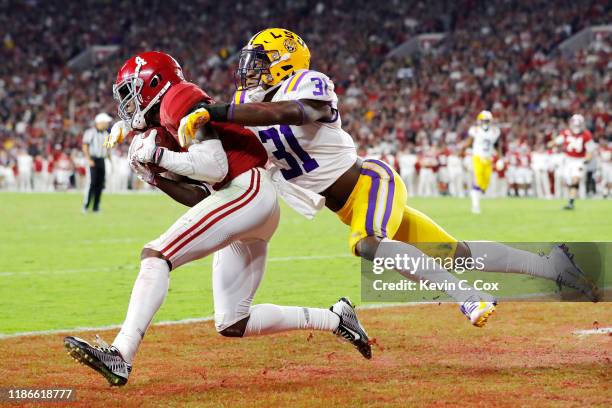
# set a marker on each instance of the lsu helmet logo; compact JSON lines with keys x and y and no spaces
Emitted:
{"x":290,"y":45}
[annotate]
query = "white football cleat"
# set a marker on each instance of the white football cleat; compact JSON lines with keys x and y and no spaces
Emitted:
{"x":478,"y":311}
{"x":570,"y":274}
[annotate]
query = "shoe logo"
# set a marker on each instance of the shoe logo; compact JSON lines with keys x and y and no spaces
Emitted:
{"x":355,"y":335}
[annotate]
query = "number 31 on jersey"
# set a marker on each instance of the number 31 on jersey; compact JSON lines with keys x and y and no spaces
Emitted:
{"x":298,"y":161}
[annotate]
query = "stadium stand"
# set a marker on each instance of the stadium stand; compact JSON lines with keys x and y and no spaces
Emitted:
{"x":498,"y":55}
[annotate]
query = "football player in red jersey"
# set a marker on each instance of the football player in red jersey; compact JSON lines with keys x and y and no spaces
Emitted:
{"x":577,"y":144}
{"x":234,"y":218}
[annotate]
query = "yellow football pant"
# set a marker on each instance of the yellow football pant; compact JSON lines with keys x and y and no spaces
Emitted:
{"x":377,"y":207}
{"x":482,"y":172}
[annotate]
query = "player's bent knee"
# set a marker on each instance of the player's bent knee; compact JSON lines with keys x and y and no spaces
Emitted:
{"x":463,"y":250}
{"x":367,"y":247}
{"x":235,"y":330}
{"x":151,"y":253}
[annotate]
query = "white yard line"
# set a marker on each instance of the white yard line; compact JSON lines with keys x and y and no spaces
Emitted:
{"x":581,"y":333}
{"x":135,"y":265}
{"x":600,"y":330}
{"x":101,"y":328}
{"x":170,"y":322}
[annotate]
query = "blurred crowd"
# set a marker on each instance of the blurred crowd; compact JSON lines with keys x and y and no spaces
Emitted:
{"x":497,"y":55}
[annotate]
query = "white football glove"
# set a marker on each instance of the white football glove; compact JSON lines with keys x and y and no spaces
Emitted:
{"x":143,"y":172}
{"x":117,"y":134}
{"x":144,"y":149}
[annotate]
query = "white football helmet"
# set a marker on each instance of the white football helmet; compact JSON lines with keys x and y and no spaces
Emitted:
{"x":576,"y":124}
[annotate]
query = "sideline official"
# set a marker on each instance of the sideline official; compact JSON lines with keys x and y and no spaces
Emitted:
{"x":95,"y":153}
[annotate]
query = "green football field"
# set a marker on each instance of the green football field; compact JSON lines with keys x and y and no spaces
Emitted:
{"x":60,"y":269}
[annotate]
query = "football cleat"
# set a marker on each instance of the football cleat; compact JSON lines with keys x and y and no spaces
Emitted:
{"x":570,"y":274}
{"x":478,"y":312}
{"x":569,"y":206}
{"x":103,"y":358}
{"x":349,"y":328}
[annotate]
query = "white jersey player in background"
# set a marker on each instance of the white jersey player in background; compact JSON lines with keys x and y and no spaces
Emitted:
{"x":455,"y":174}
{"x":540,"y":165}
{"x":25,"y":166}
{"x":407,"y":160}
{"x":482,"y":137}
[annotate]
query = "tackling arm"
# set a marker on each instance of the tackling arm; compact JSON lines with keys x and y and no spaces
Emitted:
{"x":298,"y":112}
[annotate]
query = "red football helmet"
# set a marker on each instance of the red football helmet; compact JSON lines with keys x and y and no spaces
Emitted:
{"x":141,"y":83}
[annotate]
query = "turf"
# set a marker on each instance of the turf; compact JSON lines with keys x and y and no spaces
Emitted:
{"x":62,"y":269}
{"x":428,"y":357}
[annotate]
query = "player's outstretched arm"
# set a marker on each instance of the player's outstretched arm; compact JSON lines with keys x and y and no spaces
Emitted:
{"x":296,"y":112}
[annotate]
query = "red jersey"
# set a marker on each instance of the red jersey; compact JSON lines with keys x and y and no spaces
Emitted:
{"x":574,"y":145}
{"x":243,"y":149}
{"x":38,"y":165}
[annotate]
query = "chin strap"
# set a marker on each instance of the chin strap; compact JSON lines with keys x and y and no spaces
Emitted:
{"x":138,"y":121}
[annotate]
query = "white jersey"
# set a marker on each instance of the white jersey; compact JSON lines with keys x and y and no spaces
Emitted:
{"x":313,"y":155}
{"x":484,"y":140}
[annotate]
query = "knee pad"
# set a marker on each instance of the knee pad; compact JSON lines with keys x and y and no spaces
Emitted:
{"x":367,"y":247}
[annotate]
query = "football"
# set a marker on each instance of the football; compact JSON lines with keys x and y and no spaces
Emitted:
{"x":163,"y":138}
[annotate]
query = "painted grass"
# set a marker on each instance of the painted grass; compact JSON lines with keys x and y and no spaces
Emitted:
{"x":430,"y":357}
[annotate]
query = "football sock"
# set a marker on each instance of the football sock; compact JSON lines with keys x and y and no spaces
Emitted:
{"x":498,"y":257}
{"x":269,"y":319}
{"x":429,"y":270}
{"x":475,"y":193}
{"x":148,"y":294}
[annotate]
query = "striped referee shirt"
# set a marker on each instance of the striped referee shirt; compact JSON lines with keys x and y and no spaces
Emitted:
{"x":95,"y":139}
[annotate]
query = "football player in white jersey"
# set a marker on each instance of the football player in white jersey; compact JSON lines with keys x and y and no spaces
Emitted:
{"x":482,"y":137}
{"x":294,"y":112}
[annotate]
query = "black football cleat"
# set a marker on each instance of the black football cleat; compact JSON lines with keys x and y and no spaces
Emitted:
{"x":571,"y":275}
{"x":349,"y":328}
{"x":103,"y":358}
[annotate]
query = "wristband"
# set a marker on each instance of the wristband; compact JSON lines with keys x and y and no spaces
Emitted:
{"x":158,"y":154}
{"x":218,"y":112}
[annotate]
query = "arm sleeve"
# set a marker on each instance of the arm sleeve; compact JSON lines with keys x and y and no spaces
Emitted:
{"x":204,"y":161}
